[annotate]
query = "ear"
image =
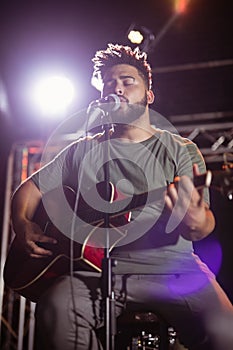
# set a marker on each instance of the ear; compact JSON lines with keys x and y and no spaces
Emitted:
{"x":150,"y":97}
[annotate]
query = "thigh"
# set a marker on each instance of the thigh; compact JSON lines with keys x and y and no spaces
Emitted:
{"x":68,"y":313}
{"x":187,"y":302}
{"x":196,"y":311}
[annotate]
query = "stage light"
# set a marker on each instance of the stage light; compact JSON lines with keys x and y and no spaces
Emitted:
{"x":141,"y":36}
{"x":135,"y":37}
{"x":54,"y":94}
{"x":181,"y":5}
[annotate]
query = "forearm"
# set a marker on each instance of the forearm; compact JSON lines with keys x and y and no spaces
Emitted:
{"x":24,"y":204}
{"x":197,"y":228}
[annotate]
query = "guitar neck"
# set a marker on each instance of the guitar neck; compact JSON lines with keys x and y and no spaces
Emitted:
{"x":139,"y":200}
{"x":221,"y":180}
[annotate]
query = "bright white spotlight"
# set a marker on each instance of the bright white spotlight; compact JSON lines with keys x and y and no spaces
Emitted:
{"x":135,"y":37}
{"x":54,"y":94}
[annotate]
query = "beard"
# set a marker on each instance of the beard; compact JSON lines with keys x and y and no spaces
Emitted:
{"x":131,"y":112}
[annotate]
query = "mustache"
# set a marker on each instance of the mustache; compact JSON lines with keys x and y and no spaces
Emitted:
{"x":142,"y":102}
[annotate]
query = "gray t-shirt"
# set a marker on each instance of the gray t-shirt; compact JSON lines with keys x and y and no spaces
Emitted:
{"x":150,"y":242}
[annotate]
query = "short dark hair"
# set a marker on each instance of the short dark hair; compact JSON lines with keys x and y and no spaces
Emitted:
{"x":119,"y":54}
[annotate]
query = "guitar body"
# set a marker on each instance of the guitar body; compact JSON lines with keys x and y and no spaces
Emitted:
{"x":30,"y":277}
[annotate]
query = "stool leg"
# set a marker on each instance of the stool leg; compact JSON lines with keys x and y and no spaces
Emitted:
{"x":164,"y":342}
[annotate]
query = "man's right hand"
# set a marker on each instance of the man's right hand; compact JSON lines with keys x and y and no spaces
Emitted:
{"x":29,"y":235}
{"x":33,"y":241}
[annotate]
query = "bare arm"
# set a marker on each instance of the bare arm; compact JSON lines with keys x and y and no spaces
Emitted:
{"x":24,"y":204}
{"x":186,"y":204}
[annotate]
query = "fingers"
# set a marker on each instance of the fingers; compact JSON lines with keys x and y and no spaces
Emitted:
{"x":187,"y":206}
{"x":179,"y":192}
{"x":40,"y":249}
{"x":196,"y":171}
{"x":38,"y":245}
{"x":38,"y":252}
{"x":171,"y":196}
{"x":184,"y":202}
{"x":182,"y":191}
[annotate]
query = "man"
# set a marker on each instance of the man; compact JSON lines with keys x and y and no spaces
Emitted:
{"x":156,"y":269}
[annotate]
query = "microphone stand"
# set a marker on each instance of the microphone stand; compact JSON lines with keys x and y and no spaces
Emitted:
{"x":107,"y":263}
{"x":96,"y":109}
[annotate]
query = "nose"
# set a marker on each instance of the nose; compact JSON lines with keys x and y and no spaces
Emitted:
{"x":119,"y":89}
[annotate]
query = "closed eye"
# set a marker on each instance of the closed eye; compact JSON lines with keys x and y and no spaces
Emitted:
{"x":128,"y":81}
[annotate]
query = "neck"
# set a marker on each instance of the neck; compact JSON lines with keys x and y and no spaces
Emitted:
{"x":137,"y":131}
{"x":132,"y":133}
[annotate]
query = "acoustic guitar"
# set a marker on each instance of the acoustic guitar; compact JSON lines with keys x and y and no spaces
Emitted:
{"x":30,"y":276}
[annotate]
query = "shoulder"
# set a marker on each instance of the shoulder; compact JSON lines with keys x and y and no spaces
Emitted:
{"x":174,"y":141}
{"x":180,"y":148}
{"x":83,"y":142}
{"x":172,"y":137}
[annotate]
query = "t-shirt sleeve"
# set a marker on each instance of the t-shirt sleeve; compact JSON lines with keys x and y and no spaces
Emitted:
{"x":56,"y":173}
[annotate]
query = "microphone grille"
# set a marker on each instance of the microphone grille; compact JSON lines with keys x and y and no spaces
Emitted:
{"x":114,"y":100}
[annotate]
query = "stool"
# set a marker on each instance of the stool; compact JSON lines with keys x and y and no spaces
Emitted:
{"x":144,"y":330}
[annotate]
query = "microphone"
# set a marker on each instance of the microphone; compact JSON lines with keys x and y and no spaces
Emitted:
{"x":110,"y":103}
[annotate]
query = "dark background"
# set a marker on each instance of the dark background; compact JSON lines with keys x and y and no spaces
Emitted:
{"x":62,"y":36}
